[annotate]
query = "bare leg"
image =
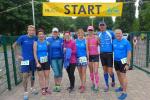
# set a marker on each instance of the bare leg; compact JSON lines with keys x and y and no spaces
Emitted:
{"x":119,"y":78}
{"x":96,"y":65}
{"x":41,"y":79}
{"x":80,"y":73}
{"x":46,"y":74}
{"x":83,"y":76}
{"x":25,"y":81}
{"x":32,"y":78}
{"x":91,"y":72}
{"x":124,"y":81}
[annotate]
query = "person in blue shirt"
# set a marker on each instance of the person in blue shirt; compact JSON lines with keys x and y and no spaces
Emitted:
{"x":122,"y":57}
{"x":41,"y":57}
{"x":106,"y":53}
{"x":26,"y":57}
{"x":56,"y":56}
{"x":81,"y":58}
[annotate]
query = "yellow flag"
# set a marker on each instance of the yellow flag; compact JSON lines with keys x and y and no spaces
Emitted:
{"x":82,"y":9}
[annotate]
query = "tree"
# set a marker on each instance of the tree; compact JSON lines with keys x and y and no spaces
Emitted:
{"x":82,"y":22}
{"x":125,"y":22}
{"x":144,"y":16}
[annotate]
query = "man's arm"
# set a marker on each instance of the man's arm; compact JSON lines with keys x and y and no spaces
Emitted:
{"x":128,"y":57}
{"x":16,"y":48}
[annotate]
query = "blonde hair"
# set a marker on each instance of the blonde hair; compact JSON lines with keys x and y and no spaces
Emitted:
{"x":80,"y":31}
{"x":31,"y":26}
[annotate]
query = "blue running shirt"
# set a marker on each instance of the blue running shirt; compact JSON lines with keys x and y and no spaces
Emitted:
{"x":106,"y":39}
{"x":26,"y":44}
{"x":81,"y":47}
{"x":121,"y":49}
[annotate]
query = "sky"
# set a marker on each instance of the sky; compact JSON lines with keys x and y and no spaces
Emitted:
{"x":136,"y":4}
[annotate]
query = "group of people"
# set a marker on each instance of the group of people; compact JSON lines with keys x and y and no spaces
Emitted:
{"x":41,"y":53}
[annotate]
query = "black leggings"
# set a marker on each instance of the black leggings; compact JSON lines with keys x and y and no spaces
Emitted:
{"x":70,"y":71}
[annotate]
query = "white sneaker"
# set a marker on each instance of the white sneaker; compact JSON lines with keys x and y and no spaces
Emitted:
{"x":34,"y":91}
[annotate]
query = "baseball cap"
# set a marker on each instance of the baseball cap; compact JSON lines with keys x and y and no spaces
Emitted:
{"x":90,"y":28}
{"x":55,"y":29}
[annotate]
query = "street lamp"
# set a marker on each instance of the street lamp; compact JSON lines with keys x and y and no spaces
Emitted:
{"x":33,"y":15}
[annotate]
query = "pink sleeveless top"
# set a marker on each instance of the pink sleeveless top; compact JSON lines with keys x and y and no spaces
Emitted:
{"x":92,"y":45}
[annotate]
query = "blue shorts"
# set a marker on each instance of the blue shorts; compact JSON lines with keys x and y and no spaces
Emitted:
{"x":81,"y":64}
{"x":28,"y":68}
{"x":57,"y":66}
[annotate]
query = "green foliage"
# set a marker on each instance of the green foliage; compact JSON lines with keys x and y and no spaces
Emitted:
{"x":144,"y":17}
{"x":16,"y":20}
{"x":135,"y":25}
{"x":125,"y":22}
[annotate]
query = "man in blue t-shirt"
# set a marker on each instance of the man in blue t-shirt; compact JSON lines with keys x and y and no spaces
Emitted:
{"x":122,"y":56}
{"x":26,"y":57}
{"x":106,"y":53}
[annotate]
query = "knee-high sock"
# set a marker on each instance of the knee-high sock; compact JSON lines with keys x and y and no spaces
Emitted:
{"x":113,"y":77}
{"x":96,"y":80}
{"x":106,"y":77}
{"x":92,"y":77}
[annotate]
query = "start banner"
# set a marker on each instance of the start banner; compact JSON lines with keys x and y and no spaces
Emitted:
{"x":82,"y":9}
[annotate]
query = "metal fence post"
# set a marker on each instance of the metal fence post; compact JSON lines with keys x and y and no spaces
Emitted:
{"x":6,"y":62}
{"x":13,"y":61}
{"x":131,"y":41}
{"x":147,"y":50}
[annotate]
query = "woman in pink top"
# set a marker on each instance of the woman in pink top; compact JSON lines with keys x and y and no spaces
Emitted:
{"x":93,"y":55}
{"x":69,"y":43}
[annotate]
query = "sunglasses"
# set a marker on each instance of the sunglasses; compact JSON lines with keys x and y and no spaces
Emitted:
{"x":102,"y":25}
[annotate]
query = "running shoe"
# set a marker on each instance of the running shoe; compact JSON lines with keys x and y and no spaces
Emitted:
{"x":93,"y":87}
{"x":34,"y":91}
{"x":55,"y":89}
{"x":43,"y":91}
{"x":123,"y":96}
{"x":58,"y":89}
{"x":26,"y":97}
{"x":48,"y":91}
{"x":96,"y":90}
{"x":82,"y":89}
{"x":71,"y":89}
{"x":106,"y":89}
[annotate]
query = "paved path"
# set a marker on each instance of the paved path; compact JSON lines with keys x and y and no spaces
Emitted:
{"x":138,"y":89}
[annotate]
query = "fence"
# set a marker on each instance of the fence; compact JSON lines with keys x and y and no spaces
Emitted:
{"x":141,"y":50}
{"x":9,"y":67}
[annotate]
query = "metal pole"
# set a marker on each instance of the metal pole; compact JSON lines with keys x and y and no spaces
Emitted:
{"x":6,"y":63}
{"x":92,"y":21}
{"x":103,"y":19}
{"x":33,"y":15}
